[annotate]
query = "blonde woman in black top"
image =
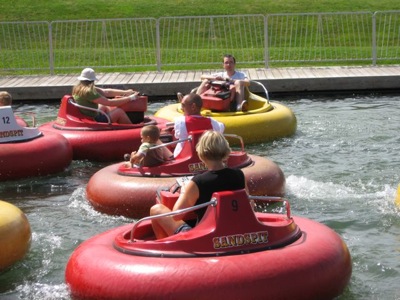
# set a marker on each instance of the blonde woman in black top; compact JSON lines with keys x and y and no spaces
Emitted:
{"x":213,"y":149}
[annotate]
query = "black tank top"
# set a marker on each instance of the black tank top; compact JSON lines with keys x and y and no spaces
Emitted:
{"x":226,"y":179}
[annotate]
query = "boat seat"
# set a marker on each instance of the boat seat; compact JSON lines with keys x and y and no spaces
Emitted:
{"x":70,"y":110}
{"x":69,"y":113}
{"x":136,"y":109}
{"x":76,"y":110}
{"x":189,"y":146}
{"x":232,"y":213}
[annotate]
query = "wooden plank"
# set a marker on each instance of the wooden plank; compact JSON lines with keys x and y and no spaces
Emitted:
{"x":128,"y":78}
{"x":34,"y":81}
{"x":46,"y":80}
{"x":192,"y":76}
{"x":335,"y":72}
{"x":294,"y":73}
{"x":69,"y":81}
{"x":386,"y":70}
{"x":104,"y":79}
{"x":284,"y":73}
{"x":251,"y":73}
{"x":262,"y":73}
{"x":8,"y":81}
{"x":273,"y":74}
{"x":182,"y":76}
{"x":25,"y":82}
{"x":355,"y":72}
{"x":4,"y":81}
{"x":150,"y":77}
{"x":66,"y":80}
{"x":321,"y":73}
{"x":167,"y":76}
{"x":174,"y":76}
{"x":197,"y":76}
{"x":117,"y":78}
{"x":301,"y":73}
{"x":369,"y":72}
{"x":307,"y":73}
{"x":135,"y":78}
{"x":15,"y":81}
{"x":159,"y":77}
{"x":143,"y":78}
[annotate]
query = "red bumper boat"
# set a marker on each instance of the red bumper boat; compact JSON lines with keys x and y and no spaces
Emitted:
{"x":233,"y":253}
{"x":122,"y":190}
{"x":26,"y":151}
{"x":101,"y":141}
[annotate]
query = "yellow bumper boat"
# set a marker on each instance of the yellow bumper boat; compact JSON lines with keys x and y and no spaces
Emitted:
{"x":15,"y":235}
{"x":263,"y":121}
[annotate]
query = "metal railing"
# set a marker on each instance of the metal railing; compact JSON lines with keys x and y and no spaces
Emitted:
{"x":334,"y":37}
{"x":199,"y":42}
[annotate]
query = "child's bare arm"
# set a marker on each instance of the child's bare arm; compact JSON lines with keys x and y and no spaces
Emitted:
{"x":136,"y":157}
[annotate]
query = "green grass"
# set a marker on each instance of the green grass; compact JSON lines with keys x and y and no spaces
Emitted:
{"x":176,"y":56}
{"x":45,"y":10}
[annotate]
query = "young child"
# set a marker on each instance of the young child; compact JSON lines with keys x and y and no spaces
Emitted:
{"x":5,"y":99}
{"x":145,"y":156}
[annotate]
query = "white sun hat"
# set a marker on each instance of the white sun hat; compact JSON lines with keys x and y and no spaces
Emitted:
{"x":87,"y":74}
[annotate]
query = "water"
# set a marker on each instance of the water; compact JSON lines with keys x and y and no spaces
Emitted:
{"x":342,"y":169}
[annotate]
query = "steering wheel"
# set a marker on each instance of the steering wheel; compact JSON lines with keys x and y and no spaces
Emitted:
{"x":220,"y":84}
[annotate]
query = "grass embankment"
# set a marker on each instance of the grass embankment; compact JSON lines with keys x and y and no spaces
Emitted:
{"x":44,"y":10}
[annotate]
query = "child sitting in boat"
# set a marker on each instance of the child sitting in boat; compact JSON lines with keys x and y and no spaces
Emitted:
{"x":148,"y":154}
{"x":5,"y":99}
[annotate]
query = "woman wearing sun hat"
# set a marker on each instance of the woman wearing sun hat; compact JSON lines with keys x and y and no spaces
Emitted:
{"x":87,"y":94}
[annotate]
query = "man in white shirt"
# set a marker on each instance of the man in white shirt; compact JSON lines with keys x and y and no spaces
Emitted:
{"x":192,"y":120}
{"x":237,"y":79}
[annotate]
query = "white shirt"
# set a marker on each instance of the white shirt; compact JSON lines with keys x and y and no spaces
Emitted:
{"x":237,"y":76}
{"x":181,"y":130}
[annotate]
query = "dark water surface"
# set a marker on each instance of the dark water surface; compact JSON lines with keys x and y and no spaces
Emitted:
{"x":342,"y":169}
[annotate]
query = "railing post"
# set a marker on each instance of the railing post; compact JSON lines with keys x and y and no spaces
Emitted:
{"x":51,"y":50}
{"x":158,"y":46}
{"x":374,"y":50}
{"x":266,"y":49}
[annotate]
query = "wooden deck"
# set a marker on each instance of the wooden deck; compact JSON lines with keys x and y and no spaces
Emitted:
{"x":166,"y":84}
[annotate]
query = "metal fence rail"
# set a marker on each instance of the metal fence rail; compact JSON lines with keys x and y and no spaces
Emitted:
{"x":113,"y":43}
{"x":199,"y":42}
{"x":314,"y":38}
{"x":24,"y":46}
{"x":387,"y":36}
{"x":190,"y":41}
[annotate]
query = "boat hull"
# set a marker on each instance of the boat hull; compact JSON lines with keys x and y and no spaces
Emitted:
{"x":101,"y":145}
{"x":316,"y":266}
{"x":47,"y":154}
